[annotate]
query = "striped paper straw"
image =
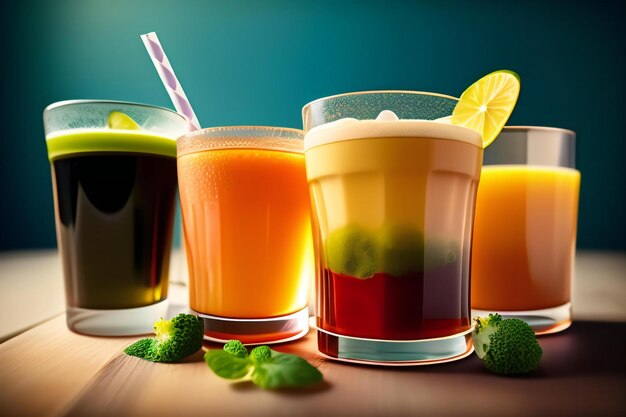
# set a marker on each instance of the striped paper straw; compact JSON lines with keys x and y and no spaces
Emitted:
{"x":173,"y":87}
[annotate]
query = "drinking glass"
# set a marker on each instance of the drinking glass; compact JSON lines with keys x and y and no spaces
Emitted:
{"x":114,"y":198}
{"x":393,"y":205}
{"x":247,"y":230}
{"x":525,"y":228}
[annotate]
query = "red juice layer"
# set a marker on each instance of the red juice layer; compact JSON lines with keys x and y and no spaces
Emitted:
{"x":419,"y":305}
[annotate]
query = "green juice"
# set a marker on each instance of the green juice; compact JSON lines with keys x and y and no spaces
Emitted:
{"x":80,"y":141}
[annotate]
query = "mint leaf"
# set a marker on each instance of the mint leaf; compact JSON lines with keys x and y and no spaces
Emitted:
{"x":265,"y":367}
{"x":283,"y":370}
{"x":226,"y":365}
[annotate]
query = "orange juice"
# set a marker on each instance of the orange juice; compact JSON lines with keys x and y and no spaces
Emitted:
{"x":246,"y":219}
{"x":524,"y":237}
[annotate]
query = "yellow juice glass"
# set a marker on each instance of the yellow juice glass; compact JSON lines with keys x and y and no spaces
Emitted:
{"x":525,"y":228}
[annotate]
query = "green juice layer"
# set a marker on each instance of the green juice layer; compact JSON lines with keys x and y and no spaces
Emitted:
{"x":81,"y":141}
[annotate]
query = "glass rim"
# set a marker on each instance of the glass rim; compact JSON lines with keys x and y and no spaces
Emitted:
{"x":533,"y":145}
{"x":248,"y":128}
{"x":64,"y":103}
{"x":528,"y":128}
{"x":271,"y":138}
{"x":373,"y":92}
{"x":63,"y":120}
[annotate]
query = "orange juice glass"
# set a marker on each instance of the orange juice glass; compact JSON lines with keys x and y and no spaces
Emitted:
{"x":525,"y":228}
{"x":246,"y":221}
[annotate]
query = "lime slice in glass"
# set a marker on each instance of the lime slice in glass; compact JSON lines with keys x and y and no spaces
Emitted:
{"x":487,"y":104}
{"x":121,"y":121}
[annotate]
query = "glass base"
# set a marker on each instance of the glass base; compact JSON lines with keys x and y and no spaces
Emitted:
{"x":256,"y":331}
{"x":545,"y":321}
{"x":395,"y":352}
{"x":117,"y":322}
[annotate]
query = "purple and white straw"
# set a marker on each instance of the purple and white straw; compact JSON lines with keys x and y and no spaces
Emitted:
{"x":173,"y":87}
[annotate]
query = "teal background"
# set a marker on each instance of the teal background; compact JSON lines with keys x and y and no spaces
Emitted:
{"x":259,"y":62}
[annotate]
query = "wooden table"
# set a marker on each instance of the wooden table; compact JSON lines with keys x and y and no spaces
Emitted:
{"x":51,"y":371}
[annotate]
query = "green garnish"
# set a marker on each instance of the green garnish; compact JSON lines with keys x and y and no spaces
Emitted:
{"x":175,"y":339}
{"x":507,"y":347}
{"x":263,"y":366}
{"x":236,"y":348}
{"x":226,"y":365}
{"x":141,"y":348}
{"x":261,"y":354}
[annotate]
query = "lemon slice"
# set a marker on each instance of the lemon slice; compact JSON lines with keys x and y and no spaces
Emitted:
{"x":487,"y":104}
{"x":119,"y":120}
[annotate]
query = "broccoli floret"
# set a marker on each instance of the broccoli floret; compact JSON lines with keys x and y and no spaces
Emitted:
{"x":140,"y":348}
{"x":236,"y":348}
{"x":507,"y":347}
{"x":175,"y":339}
{"x":261,"y":353}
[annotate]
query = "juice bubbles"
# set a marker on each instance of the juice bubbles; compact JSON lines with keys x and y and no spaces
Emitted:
{"x":393,"y":205}
{"x":524,"y":237}
{"x":246,"y":219}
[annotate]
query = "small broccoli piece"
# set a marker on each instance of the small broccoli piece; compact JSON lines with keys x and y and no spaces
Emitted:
{"x":236,"y":348}
{"x":140,"y":348}
{"x":261,"y":353}
{"x":507,"y":347}
{"x":175,"y":339}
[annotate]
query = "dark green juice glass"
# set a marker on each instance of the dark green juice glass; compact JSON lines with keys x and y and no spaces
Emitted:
{"x":115,"y":193}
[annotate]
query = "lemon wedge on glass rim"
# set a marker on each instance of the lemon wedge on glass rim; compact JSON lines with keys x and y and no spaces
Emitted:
{"x":122,"y":121}
{"x":487,"y":104}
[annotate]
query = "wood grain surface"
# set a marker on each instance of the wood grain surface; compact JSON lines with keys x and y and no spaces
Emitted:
{"x":50,"y":371}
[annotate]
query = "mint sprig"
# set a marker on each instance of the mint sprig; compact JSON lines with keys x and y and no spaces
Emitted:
{"x":284,"y":370}
{"x":263,"y":366}
{"x":226,"y":365}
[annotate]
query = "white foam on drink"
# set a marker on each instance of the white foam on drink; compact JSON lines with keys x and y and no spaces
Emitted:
{"x":388,"y":125}
{"x":387,"y":116}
